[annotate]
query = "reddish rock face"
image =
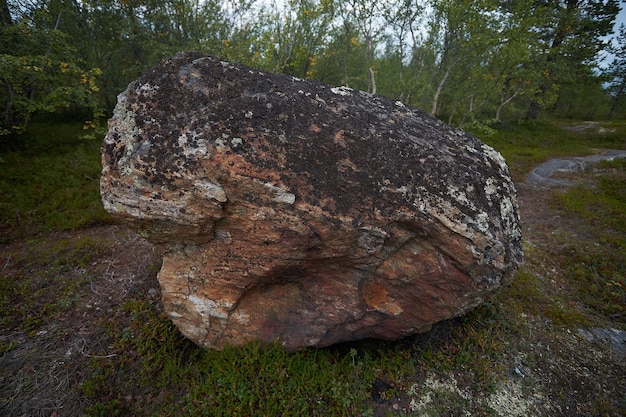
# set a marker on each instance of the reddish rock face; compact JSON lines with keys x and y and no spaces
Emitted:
{"x":298,"y":212}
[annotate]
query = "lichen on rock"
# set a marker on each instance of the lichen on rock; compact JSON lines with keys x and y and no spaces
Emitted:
{"x":295,"y":211}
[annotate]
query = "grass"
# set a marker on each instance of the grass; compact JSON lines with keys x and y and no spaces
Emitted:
{"x":50,"y":183}
{"x":151,"y":370}
{"x":175,"y":377}
{"x":50,"y":281}
{"x":527,"y":144}
{"x":597,"y":272}
{"x":125,"y":357}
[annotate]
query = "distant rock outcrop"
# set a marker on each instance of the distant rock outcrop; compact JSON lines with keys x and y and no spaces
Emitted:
{"x":298,"y":212}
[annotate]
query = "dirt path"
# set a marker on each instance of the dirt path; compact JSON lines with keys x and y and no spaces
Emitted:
{"x":542,"y":175}
{"x":535,"y":193}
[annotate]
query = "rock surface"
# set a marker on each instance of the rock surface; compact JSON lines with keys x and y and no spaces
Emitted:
{"x":297,"y":212}
{"x":542,"y":174}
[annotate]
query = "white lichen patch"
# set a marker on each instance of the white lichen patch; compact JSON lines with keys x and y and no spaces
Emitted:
{"x":435,"y":396}
{"x":193,"y":145}
{"x":125,"y":126}
{"x":227,"y":65}
{"x":280,"y":195}
{"x":490,"y":187}
{"x":131,"y":204}
{"x":460,"y":197}
{"x":509,"y":220}
{"x":210,"y":190}
{"x":207,"y":307}
{"x":220,"y":145}
{"x":495,"y":156}
{"x":443,"y":211}
{"x":342,"y":91}
{"x":482,"y":222}
{"x":148,"y":88}
{"x":510,"y":401}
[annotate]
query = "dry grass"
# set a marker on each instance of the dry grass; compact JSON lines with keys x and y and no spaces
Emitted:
{"x":56,"y":291}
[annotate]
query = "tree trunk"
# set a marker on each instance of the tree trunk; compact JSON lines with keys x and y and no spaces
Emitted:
{"x":619,"y":94}
{"x":433,"y":109}
{"x":372,"y":81}
{"x":505,"y":102}
{"x":5,"y":14}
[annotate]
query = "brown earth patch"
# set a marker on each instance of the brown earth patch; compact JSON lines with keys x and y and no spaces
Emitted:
{"x":65,"y":286}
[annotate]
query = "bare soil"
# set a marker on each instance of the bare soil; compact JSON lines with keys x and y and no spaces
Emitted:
{"x":44,"y":366}
{"x":549,"y":370}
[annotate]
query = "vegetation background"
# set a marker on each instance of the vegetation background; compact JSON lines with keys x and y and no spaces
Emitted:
{"x":469,"y":62}
{"x":82,"y":331}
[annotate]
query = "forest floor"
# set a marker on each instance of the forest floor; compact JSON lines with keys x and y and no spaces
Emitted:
{"x":551,"y":355}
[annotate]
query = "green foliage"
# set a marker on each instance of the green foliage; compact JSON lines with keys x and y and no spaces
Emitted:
{"x":584,"y":99}
{"x":472,"y":343}
{"x":528,"y":296}
{"x":150,"y":369}
{"x":466,"y":61}
{"x":616,"y":73}
{"x":52,"y":183}
{"x":40,"y":72}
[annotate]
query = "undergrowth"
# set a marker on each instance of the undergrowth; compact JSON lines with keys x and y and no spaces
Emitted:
{"x":154,"y":371}
{"x":527,"y":144}
{"x":150,"y":369}
{"x":50,"y":182}
{"x":48,"y":279}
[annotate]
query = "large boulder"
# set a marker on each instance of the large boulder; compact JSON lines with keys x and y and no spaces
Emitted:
{"x":294,"y":211}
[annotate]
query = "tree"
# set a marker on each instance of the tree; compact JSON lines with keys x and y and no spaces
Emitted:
{"x":40,"y":72}
{"x":404,"y":21}
{"x":572,"y":36}
{"x":462,"y":36}
{"x":295,"y":35}
{"x":342,"y":59}
{"x":617,"y":73}
{"x":365,"y":15}
{"x":126,"y":37}
{"x":5,"y":14}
